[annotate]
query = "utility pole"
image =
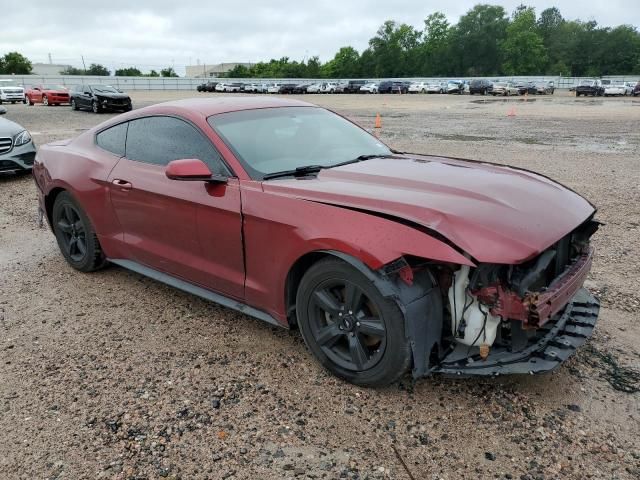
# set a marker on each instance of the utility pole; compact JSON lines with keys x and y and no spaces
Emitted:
{"x":50,"y":61}
{"x":83,"y":64}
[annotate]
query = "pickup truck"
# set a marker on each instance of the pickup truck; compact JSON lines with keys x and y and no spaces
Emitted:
{"x":590,"y":87}
{"x":11,"y":91}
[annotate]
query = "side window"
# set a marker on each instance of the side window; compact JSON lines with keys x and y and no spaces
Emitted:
{"x":159,"y":140}
{"x":113,"y":139}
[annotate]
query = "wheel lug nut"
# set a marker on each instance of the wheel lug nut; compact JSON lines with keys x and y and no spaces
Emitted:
{"x":357,"y":324}
{"x":340,"y":314}
{"x":350,"y":312}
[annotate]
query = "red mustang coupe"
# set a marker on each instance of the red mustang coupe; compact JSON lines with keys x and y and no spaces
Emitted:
{"x":290,"y":213}
{"x":47,"y":95}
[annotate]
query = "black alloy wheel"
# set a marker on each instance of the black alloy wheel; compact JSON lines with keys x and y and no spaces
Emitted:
{"x":350,"y":327}
{"x":75,"y":235}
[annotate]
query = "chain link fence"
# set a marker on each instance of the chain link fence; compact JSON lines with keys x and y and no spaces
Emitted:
{"x":181,"y":83}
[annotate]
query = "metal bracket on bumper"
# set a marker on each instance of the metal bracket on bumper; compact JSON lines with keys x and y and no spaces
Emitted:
{"x":556,"y":341}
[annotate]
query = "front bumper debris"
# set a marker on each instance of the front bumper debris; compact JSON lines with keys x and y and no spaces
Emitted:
{"x":553,"y":343}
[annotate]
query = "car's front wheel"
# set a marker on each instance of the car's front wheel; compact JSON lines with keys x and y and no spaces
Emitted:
{"x":45,"y":101}
{"x":74,"y":105}
{"x":350,"y":327}
{"x":75,"y":235}
{"x":95,"y":107}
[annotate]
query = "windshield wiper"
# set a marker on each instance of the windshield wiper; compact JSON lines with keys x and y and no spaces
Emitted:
{"x":360,"y":159}
{"x":297,"y":172}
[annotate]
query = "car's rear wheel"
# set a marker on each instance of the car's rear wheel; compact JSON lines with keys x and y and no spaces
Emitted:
{"x":350,"y":327}
{"x":28,"y":101}
{"x":75,"y":235}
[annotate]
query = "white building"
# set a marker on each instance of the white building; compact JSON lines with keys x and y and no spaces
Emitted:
{"x":47,"y":68}
{"x":206,"y":71}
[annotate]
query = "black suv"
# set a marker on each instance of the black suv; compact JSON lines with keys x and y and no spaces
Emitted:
{"x":207,"y":87}
{"x":393,"y":87}
{"x":99,"y":98}
{"x":354,"y":86}
{"x":480,"y":86}
{"x":590,"y":87}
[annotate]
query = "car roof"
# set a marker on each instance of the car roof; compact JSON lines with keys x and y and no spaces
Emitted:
{"x":214,"y":106}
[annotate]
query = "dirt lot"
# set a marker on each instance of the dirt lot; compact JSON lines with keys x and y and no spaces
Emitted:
{"x":112,"y":375}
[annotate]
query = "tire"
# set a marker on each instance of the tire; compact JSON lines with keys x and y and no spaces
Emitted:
{"x":45,"y":101}
{"x":74,"y":105}
{"x":75,"y":234}
{"x":95,"y":108}
{"x":338,"y":339}
{"x":28,"y":101}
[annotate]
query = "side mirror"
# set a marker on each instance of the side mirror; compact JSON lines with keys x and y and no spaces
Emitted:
{"x":3,"y":110}
{"x":192,"y":169}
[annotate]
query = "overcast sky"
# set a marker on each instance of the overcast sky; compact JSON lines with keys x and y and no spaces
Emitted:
{"x":157,"y":33}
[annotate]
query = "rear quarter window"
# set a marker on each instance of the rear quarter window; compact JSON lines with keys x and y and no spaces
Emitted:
{"x":113,"y":139}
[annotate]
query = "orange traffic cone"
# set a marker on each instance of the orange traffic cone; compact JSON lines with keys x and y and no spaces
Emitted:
{"x":512,"y":112}
{"x":378,"y":121}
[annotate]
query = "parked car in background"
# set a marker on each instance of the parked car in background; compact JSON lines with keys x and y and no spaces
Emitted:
{"x":480,"y":86}
{"x":99,"y":98}
{"x":232,"y":87}
{"x":301,"y":88}
{"x":287,"y":88}
{"x":47,"y":94}
{"x":341,"y":87}
{"x":200,"y":88}
{"x":544,"y":88}
{"x":629,"y":86}
{"x":328,"y":87}
{"x":353,"y":86}
{"x":11,"y":91}
{"x":504,"y":89}
{"x":369,"y":88}
{"x":455,"y":86}
{"x":273,"y":88}
{"x":590,"y":87}
{"x":418,"y":87}
{"x":220,"y":87}
{"x":393,"y":87}
{"x":210,"y":86}
{"x":17,"y":150}
{"x":527,"y":88}
{"x":433,"y":87}
{"x":636,"y":90}
{"x":314,"y":88}
{"x":386,"y":262}
{"x":615,"y":90}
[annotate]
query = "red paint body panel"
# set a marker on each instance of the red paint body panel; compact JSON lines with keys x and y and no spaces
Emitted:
{"x":196,"y":230}
{"x":496,"y":214}
{"x":35,"y":95}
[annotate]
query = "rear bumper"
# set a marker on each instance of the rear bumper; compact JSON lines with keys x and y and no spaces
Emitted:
{"x":552,"y":344}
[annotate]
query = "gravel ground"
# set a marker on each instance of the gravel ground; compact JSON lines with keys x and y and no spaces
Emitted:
{"x":112,"y":375}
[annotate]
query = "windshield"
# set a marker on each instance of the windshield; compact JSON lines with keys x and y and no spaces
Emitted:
{"x":53,"y":87}
{"x":587,"y":83}
{"x":104,"y":89}
{"x":9,"y":83}
{"x":273,"y":140}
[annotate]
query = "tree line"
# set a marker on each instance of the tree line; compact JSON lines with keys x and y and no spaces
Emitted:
{"x":486,"y":41}
{"x":14,"y":63}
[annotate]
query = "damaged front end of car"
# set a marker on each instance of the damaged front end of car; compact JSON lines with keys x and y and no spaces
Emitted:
{"x":495,"y":319}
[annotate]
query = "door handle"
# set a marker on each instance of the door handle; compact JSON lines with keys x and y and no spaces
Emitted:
{"x":122,"y":184}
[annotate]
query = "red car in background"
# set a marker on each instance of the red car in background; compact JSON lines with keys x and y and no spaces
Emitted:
{"x":290,"y":213}
{"x":47,"y":94}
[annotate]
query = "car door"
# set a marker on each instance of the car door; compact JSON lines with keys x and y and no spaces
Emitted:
{"x":189,"y":229}
{"x":36,"y":95}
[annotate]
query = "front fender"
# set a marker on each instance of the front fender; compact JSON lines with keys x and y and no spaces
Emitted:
{"x":279,"y":230}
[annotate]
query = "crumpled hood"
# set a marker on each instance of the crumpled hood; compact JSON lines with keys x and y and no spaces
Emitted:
{"x":497,"y":214}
